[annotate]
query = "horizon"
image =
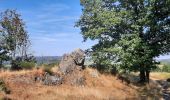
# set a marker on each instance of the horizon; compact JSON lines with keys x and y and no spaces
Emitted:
{"x":52,"y":33}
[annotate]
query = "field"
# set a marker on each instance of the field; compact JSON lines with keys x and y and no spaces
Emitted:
{"x":100,"y":87}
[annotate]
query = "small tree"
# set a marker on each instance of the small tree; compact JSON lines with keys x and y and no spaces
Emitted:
{"x":13,"y":29}
{"x":130,"y":33}
{"x":16,"y":37}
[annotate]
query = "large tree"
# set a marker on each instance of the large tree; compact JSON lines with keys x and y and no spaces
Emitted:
{"x":130,"y":33}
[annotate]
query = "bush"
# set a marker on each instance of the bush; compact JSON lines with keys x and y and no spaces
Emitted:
{"x":27,"y":62}
{"x":105,"y":68}
{"x":15,"y":65}
{"x":47,"y":69}
{"x":26,"y":65}
{"x":166,"y":68}
{"x":52,"y":64}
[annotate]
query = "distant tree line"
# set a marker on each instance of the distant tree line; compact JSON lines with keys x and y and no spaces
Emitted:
{"x":14,"y":39}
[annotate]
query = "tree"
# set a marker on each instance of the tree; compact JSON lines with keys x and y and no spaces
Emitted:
{"x":130,"y":33}
{"x":16,"y":37}
{"x":3,"y":50}
{"x":13,"y":29}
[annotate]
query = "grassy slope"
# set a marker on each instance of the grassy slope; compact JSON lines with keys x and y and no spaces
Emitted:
{"x":102,"y":87}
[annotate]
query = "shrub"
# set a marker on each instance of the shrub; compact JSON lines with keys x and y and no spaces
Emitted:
{"x":52,"y":64}
{"x":47,"y":69}
{"x":15,"y":65}
{"x":27,"y":62}
{"x":26,"y":65}
{"x":105,"y":68}
{"x":166,"y":68}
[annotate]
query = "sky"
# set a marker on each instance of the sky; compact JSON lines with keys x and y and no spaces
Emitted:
{"x":50,"y":25}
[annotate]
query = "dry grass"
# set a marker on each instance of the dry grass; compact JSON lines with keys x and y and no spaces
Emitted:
{"x":160,"y":75}
{"x":103,"y":87}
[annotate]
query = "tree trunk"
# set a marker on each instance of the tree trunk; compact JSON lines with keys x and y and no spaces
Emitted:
{"x":147,"y":75}
{"x":1,"y":64}
{"x":142,"y":76}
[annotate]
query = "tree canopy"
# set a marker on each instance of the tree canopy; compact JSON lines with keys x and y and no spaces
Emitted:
{"x":130,"y":33}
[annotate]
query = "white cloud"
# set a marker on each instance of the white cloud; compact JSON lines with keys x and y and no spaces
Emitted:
{"x":44,"y":39}
{"x":56,"y":37}
{"x":52,"y":20}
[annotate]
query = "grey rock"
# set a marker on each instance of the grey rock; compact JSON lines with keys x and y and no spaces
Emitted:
{"x":52,"y":80}
{"x":48,"y":79}
{"x":72,"y":61}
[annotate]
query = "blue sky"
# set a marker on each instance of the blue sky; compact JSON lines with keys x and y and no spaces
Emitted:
{"x":50,"y":24}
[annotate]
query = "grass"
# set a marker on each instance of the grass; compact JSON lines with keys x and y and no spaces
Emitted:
{"x":160,"y":75}
{"x":103,"y":87}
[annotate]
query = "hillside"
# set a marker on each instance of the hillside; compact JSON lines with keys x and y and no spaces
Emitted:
{"x":165,"y":61}
{"x":98,"y":87}
{"x":47,"y":59}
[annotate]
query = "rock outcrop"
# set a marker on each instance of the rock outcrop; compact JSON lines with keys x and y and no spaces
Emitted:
{"x":72,"y":61}
{"x":48,"y":79}
{"x":52,"y":80}
{"x":70,"y":71}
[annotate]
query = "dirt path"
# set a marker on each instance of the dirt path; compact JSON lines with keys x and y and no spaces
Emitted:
{"x":165,"y":88}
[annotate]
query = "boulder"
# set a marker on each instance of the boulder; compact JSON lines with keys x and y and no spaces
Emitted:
{"x":76,"y":78}
{"x":69,"y":71}
{"x":72,"y":61}
{"x":48,"y":79}
{"x":52,"y":80}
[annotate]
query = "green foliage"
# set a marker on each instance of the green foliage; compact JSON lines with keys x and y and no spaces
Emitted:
{"x":15,"y":65}
{"x":3,"y":50}
{"x":14,"y":40}
{"x":166,"y":68}
{"x":13,"y":29}
{"x":130,"y":33}
{"x":52,"y":64}
{"x":163,"y":68}
{"x":27,"y":65}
